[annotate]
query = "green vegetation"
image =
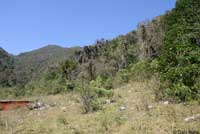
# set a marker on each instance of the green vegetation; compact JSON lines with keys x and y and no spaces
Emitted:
{"x":112,"y":63}
{"x":89,"y":99}
{"x":166,"y":48}
{"x":122,"y":85}
{"x":179,"y":62}
{"x":6,"y":69}
{"x":137,"y":118}
{"x":67,"y":67}
{"x":31,"y":65}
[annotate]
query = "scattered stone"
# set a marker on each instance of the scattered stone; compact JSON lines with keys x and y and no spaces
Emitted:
{"x":122,"y":108}
{"x":164,"y":102}
{"x":53,"y":104}
{"x":38,"y":106}
{"x":192,"y":118}
{"x":150,"y":107}
{"x":64,"y":109}
{"x":108,"y":101}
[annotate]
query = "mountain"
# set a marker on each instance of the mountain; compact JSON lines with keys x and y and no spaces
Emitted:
{"x":113,"y":86}
{"x":6,"y":68}
{"x":30,"y":65}
{"x":167,"y":47}
{"x":106,"y":57}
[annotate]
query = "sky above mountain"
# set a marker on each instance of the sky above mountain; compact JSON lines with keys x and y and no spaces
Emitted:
{"x":30,"y":24}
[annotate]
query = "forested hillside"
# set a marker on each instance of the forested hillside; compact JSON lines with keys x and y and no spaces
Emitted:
{"x":144,"y":82}
{"x":6,"y":68}
{"x":165,"y":48}
{"x":179,"y":62}
{"x":31,"y":65}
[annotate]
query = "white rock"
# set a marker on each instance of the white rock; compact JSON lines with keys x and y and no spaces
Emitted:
{"x":108,"y":101}
{"x":64,"y":109}
{"x":188,"y":119}
{"x":166,"y":102}
{"x":122,"y":108}
{"x":150,"y":107}
{"x":192,"y":118}
{"x":37,"y":106}
{"x":41,"y":108}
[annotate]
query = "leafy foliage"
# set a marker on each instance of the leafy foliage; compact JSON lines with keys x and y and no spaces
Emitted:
{"x":89,"y":99}
{"x":142,"y":70}
{"x":31,"y":65}
{"x":7,"y":77}
{"x":168,"y":45}
{"x":106,"y":58}
{"x":179,"y":63}
{"x":99,"y":86}
{"x":67,"y":67}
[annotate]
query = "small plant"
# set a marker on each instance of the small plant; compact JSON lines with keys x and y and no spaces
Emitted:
{"x":102,"y":92}
{"x":99,"y":86}
{"x":142,"y":70}
{"x":110,"y":119}
{"x":89,"y":98}
{"x":62,"y":120}
{"x":122,"y":76}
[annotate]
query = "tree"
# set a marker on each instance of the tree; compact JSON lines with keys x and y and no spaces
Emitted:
{"x":67,"y":67}
{"x":7,"y":76}
{"x":179,"y":63}
{"x":89,"y":97}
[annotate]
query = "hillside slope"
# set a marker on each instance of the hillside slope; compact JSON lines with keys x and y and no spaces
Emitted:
{"x":32,"y":64}
{"x":6,"y":68}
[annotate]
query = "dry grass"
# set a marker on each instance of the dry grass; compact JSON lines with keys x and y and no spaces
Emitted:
{"x":137,"y":118}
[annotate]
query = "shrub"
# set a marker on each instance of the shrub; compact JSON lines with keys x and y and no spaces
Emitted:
{"x":62,"y":120}
{"x":179,"y":63}
{"x":121,"y":77}
{"x":180,"y":92}
{"x":102,"y":92}
{"x":99,"y":87}
{"x":142,"y":70}
{"x":89,"y":99}
{"x":110,"y":119}
{"x":108,"y":83}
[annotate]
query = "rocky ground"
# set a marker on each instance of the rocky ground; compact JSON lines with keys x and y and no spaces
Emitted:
{"x":132,"y":110}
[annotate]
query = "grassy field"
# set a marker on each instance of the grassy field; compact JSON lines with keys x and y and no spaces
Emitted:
{"x":134,"y":111}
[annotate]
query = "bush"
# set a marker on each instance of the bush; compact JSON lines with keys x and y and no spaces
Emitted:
{"x":102,"y":92}
{"x":99,"y":87}
{"x":122,"y":76}
{"x":142,"y":70}
{"x":11,"y":92}
{"x":108,"y":83}
{"x":89,"y":99}
{"x":180,"y":92}
{"x":179,"y":63}
{"x":44,"y":87}
{"x":110,"y":119}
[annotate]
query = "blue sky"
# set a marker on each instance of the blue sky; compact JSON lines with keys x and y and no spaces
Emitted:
{"x":30,"y":24}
